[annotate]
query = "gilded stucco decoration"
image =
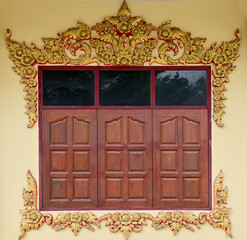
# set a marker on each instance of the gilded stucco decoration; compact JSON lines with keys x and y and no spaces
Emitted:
{"x":192,"y":51}
{"x":125,"y":222}
{"x":124,"y":40}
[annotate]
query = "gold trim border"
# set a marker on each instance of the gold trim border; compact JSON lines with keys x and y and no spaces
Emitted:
{"x":125,"y":222}
{"x":124,"y":40}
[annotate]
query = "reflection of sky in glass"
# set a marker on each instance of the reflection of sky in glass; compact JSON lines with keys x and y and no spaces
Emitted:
{"x":191,"y":75}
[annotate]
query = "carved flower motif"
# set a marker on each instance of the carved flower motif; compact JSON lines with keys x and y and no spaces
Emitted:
{"x":76,"y":217}
{"x":177,"y":216}
{"x":30,"y":72}
{"x":229,"y":52}
{"x":217,"y":216}
{"x":219,"y":71}
{"x":19,"y":52}
{"x":32,"y":91}
{"x":220,"y":58}
{"x":33,"y":216}
{"x":165,"y":33}
{"x":124,"y":27}
{"x":217,"y":82}
{"x":31,"y":82}
{"x":27,"y":60}
{"x":126,"y":218}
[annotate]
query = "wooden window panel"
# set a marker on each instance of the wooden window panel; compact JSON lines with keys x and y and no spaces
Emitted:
{"x":69,"y":158}
{"x":124,"y":158}
{"x":180,"y":158}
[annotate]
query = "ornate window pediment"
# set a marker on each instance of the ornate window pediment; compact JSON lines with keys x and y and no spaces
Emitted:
{"x":124,"y":40}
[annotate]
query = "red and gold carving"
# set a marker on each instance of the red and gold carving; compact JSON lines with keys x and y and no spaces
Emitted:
{"x":124,"y":40}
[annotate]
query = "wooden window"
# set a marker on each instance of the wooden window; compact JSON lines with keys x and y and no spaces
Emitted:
{"x":137,"y":149}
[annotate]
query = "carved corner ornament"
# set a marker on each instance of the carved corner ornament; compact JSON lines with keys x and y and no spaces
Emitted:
{"x":123,"y":40}
{"x":125,"y":222}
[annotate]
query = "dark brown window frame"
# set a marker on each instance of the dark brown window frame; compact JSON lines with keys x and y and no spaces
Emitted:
{"x":152,"y":70}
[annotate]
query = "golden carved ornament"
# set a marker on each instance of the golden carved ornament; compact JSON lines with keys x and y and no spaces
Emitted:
{"x":75,"y":221}
{"x":191,"y":51}
{"x":60,"y":50}
{"x":124,"y":40}
{"x":125,"y":222}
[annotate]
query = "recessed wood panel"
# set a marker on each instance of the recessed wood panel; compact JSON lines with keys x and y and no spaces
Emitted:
{"x":136,"y":188}
{"x":127,"y":132}
{"x":114,"y":188}
{"x":169,"y":160}
{"x":58,"y":188}
{"x":81,"y":161}
{"x":81,"y":188}
{"x":136,"y":161}
{"x":191,"y":160}
{"x":136,"y":131}
{"x":114,"y":160}
{"x":191,"y":188}
{"x":58,"y":132}
{"x":81,"y":130}
{"x":71,"y":154}
{"x":169,"y":188}
{"x":168,"y":132}
{"x":114,"y":131}
{"x":183,"y":183}
{"x":58,"y":161}
{"x":191,"y":132}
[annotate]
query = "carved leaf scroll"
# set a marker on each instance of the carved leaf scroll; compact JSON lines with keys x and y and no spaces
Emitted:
{"x":125,"y":222}
{"x":124,"y":40}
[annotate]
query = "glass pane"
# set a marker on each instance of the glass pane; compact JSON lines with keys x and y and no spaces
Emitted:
{"x":181,"y":88}
{"x":124,"y":88}
{"x":68,"y":88}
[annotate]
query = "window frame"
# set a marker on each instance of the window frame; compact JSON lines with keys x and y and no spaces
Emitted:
{"x":97,"y":106}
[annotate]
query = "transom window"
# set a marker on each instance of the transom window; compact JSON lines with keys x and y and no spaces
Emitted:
{"x":117,"y":137}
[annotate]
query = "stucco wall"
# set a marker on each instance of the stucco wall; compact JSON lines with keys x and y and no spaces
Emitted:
{"x":30,"y":20}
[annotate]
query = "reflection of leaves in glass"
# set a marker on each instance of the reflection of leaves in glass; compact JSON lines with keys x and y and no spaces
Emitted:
{"x":68,"y":87}
{"x":119,"y":88}
{"x":180,"y":90}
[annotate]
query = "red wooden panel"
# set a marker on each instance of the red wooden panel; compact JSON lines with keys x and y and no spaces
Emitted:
{"x":191,"y":161}
{"x":58,"y":131}
{"x":191,"y":188}
{"x":169,"y":188}
{"x":137,"y":188}
{"x":59,"y":188}
{"x":180,"y":158}
{"x":69,"y":160}
{"x":81,"y":161}
{"x":124,"y":138}
{"x":114,"y":188}
{"x":81,"y":188}
{"x":114,"y":160}
{"x":59,"y":161}
{"x":169,"y":160}
{"x":137,"y":160}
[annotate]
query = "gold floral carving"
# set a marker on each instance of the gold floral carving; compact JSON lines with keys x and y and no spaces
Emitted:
{"x":33,"y":219}
{"x":75,"y":221}
{"x":218,"y":217}
{"x":124,"y":40}
{"x":60,"y":50}
{"x":191,"y":51}
{"x":125,"y":222}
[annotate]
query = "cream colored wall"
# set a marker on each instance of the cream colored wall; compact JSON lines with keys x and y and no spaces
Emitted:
{"x":30,"y":20}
